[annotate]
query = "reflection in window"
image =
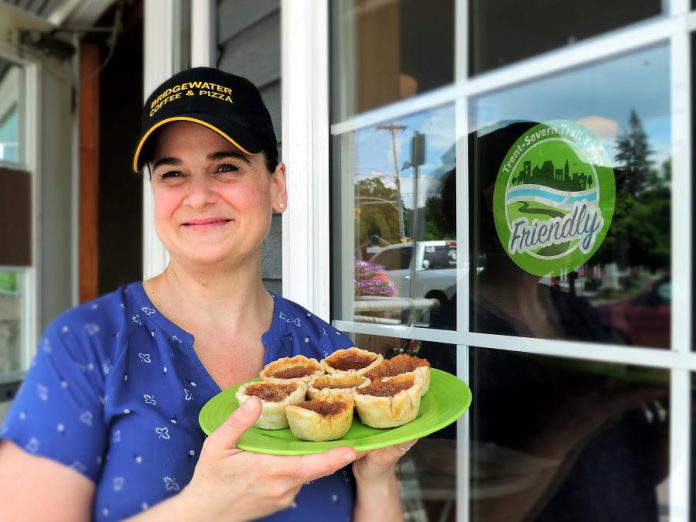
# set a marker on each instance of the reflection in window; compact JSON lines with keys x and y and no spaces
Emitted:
{"x":565,"y":439}
{"x":10,"y":79}
{"x":505,"y":31}
{"x":402,"y":234}
{"x":9,"y":147}
{"x":10,"y":322}
{"x":621,"y":293}
{"x":388,"y":50}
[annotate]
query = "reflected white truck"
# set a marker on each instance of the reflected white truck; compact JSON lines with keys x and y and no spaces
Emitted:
{"x":436,"y":268}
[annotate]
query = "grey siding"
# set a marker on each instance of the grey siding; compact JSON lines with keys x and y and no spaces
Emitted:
{"x":249,"y":45}
{"x":37,"y":7}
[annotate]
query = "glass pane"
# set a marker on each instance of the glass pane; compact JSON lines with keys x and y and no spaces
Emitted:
{"x":571,"y":205}
{"x":500,"y":29}
{"x":11,"y":85}
{"x":11,"y":307}
{"x":389,"y":50}
{"x":404,"y":251}
{"x":557,"y":439}
{"x":427,"y":474}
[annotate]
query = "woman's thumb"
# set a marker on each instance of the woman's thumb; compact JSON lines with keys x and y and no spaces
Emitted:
{"x":243,"y":418}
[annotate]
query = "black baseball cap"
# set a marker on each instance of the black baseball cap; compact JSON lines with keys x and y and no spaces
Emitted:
{"x":227,"y":104}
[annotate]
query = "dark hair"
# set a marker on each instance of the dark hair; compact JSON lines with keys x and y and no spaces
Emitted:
{"x":270,"y":154}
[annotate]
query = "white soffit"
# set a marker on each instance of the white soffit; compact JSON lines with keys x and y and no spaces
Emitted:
{"x":12,"y":17}
{"x":78,"y":12}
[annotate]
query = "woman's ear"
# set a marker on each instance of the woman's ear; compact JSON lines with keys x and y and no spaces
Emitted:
{"x":279,"y":193}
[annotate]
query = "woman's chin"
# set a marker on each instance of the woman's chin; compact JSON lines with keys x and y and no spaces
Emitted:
{"x":206,"y":259}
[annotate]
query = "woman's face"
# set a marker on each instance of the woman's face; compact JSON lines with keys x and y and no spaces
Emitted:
{"x":213,"y":204}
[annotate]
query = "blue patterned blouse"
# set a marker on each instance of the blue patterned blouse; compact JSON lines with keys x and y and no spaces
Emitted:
{"x":114,"y":392}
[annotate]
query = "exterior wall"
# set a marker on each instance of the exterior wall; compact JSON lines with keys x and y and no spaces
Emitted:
{"x":248,"y":36}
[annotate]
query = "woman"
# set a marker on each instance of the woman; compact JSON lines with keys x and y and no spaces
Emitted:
{"x":105,"y":425}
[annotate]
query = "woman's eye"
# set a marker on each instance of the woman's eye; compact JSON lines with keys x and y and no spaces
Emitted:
{"x":226,"y":167}
{"x":171,"y":174}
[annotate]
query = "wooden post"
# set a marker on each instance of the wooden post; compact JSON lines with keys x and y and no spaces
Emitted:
{"x":88,"y":106}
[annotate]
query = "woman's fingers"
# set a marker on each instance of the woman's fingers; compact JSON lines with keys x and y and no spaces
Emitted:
{"x":243,"y":418}
{"x":312,"y":467}
{"x":396,"y":451}
{"x":403,"y":448}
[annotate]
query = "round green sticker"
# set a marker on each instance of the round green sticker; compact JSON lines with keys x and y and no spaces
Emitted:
{"x":554,"y":198}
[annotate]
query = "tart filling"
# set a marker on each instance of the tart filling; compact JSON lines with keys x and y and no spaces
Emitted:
{"x":390,"y":402}
{"x":289,"y":369}
{"x":402,"y":364}
{"x":351,"y":361}
{"x":275,"y":397}
{"x":327,"y":385}
{"x":321,"y":419}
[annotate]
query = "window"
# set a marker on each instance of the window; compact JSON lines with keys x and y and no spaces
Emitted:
{"x":544,"y":189}
{"x":16,"y":229}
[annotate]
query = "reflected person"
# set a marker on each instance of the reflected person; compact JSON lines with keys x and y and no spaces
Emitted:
{"x":550,"y":442}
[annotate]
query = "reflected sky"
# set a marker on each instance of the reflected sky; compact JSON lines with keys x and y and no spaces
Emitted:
{"x":599,"y":96}
{"x":374,"y":153}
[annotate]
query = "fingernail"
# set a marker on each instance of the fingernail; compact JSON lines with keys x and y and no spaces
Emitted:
{"x":250,"y":404}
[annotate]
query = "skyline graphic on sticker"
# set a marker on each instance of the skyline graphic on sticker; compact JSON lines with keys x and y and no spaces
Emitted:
{"x":554,"y":198}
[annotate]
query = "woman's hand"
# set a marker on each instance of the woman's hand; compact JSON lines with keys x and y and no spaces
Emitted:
{"x":379,"y":464}
{"x":377,"y":488}
{"x":231,"y":484}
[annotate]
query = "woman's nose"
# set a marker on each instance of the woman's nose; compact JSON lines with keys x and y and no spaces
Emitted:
{"x":201,"y":191}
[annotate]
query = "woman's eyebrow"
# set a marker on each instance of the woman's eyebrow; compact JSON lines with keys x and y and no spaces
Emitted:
{"x":214,"y":156}
{"x":166,"y":161}
{"x":228,"y":154}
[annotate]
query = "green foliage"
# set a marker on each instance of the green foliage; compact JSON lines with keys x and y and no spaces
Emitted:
{"x":8,"y":282}
{"x":640,"y":231}
{"x":377,"y":210}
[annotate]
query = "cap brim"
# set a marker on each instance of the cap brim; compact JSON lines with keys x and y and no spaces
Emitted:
{"x":243,"y":139}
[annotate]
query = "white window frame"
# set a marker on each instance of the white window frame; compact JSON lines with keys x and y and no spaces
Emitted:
{"x":305,"y":149}
{"x":306,"y":237}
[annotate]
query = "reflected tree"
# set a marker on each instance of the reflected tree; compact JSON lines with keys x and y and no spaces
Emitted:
{"x":639,"y":233}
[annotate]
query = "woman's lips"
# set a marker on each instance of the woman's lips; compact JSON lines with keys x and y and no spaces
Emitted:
{"x":206,"y":224}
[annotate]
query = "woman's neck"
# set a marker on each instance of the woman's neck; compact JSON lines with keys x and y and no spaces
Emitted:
{"x":211,"y":298}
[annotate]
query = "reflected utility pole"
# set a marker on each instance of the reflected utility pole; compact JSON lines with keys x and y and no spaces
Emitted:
{"x":393,"y":129}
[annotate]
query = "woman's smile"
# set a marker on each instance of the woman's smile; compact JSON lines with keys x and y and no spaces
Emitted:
{"x":205,"y":224}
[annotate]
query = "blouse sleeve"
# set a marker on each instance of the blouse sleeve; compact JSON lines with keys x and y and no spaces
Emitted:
{"x":57,"y":412}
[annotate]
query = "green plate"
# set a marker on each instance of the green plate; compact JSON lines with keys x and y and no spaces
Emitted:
{"x":447,"y":400}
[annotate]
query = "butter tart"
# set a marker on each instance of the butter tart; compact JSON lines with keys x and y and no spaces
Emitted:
{"x":275,"y":397}
{"x":290,"y":369}
{"x":390,"y":402}
{"x":320,"y":420}
{"x":328,"y":385}
{"x":351,"y":361}
{"x":402,"y":364}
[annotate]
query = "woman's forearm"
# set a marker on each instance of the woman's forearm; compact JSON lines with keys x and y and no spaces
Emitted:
{"x":379,"y":501}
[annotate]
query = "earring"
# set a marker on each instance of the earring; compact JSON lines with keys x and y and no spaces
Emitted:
{"x":281,"y":206}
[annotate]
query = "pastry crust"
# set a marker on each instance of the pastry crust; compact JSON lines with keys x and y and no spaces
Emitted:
{"x":390,"y":402}
{"x":292,"y":369}
{"x":321,"y":419}
{"x":275,"y":397}
{"x":402,"y":364}
{"x":328,"y":385}
{"x":351,"y":361}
